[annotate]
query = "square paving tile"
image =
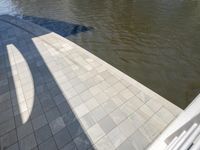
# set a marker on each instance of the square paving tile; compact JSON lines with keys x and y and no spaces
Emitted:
{"x":48,"y":145}
{"x":107,"y":124}
{"x":27,"y":143}
{"x":43,"y":134}
{"x":62,"y":138}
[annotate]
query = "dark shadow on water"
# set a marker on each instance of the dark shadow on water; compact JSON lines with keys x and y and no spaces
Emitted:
{"x":60,"y":27}
{"x":48,"y":100}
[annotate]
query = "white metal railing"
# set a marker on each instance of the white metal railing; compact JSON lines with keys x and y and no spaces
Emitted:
{"x":183,"y":133}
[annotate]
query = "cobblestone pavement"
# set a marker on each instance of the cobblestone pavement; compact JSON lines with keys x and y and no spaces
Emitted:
{"x":56,"y":95}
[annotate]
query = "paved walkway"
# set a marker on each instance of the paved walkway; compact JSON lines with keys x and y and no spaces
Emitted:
{"x":56,"y":95}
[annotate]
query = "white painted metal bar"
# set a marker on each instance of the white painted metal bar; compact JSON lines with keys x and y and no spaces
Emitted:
{"x":191,"y":139}
{"x":171,"y":144}
{"x":186,"y":135}
{"x":196,"y":146}
{"x":180,"y":136}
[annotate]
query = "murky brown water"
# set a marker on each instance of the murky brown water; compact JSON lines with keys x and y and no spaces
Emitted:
{"x":157,"y":42}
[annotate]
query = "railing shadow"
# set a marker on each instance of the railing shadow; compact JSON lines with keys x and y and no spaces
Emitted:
{"x":41,"y":115}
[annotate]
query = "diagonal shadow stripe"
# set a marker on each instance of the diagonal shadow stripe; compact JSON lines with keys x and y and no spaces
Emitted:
{"x":60,"y":27}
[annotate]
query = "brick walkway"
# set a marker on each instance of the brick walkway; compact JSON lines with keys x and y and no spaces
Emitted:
{"x":56,"y":95}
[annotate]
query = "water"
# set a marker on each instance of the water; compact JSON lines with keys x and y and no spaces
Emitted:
{"x":154,"y":41}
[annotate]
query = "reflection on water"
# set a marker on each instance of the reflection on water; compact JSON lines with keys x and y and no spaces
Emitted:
{"x":156,"y":42}
{"x":60,"y":27}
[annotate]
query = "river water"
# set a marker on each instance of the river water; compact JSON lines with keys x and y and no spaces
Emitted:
{"x":157,"y":42}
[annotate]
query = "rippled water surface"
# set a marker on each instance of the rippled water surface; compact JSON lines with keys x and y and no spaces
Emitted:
{"x":157,"y":42}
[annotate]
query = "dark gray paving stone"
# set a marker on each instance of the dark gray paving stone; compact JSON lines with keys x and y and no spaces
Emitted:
{"x":62,"y":137}
{"x":48,"y":145}
{"x":70,"y":146}
{"x":43,"y":134}
{"x":8,"y":139}
{"x":75,"y":129}
{"x":35,"y":148}
{"x":24,"y":130}
{"x":36,"y":111}
{"x":48,"y":104}
{"x":57,"y":125}
{"x":5,"y":97}
{"x":6,"y":115}
{"x":13,"y":147}
{"x":5,"y":105}
{"x":64,"y":107}
{"x":52,"y":114}
{"x":7,"y":126}
{"x":82,"y":142}
{"x":55,"y":91}
{"x":58,"y":99}
{"x":107,"y":124}
{"x":18,"y":118}
{"x":69,"y":118}
{"x":27,"y":143}
{"x":39,"y":122}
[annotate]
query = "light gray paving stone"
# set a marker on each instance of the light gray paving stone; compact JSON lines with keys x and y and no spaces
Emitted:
{"x":134,"y":89}
{"x":118,"y":116}
{"x":154,"y":105}
{"x":62,"y":138}
{"x":48,"y":145}
{"x":24,"y":130}
{"x":75,"y":101}
{"x":86,"y":95}
{"x":80,"y":88}
{"x":81,"y":110}
{"x":165,"y":115}
{"x":98,"y":113}
{"x":95,"y":133}
{"x":138,"y":141}
{"x":107,"y":124}
{"x":27,"y":143}
{"x":152,"y":127}
{"x":126,"y":145}
{"x":119,"y":86}
{"x":42,"y":134}
{"x":116,"y":133}
{"x":39,"y":122}
{"x":109,"y":106}
{"x":91,"y":104}
{"x":101,"y":98}
{"x":126,"y":93}
{"x":8,"y":139}
{"x":127,"y":127}
{"x":104,"y":144}
{"x":57,"y":125}
{"x":87,"y":121}
{"x":144,"y":97}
